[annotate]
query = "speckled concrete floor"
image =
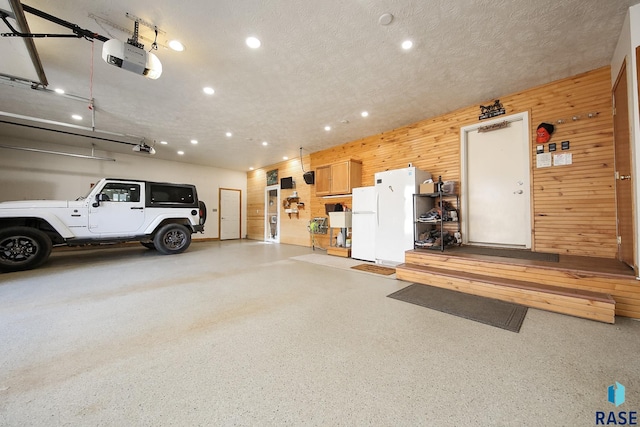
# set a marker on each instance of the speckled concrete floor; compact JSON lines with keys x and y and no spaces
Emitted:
{"x":239,"y":333}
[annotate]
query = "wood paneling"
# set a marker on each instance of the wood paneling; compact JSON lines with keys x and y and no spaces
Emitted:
{"x":573,"y":206}
{"x":293,"y":230}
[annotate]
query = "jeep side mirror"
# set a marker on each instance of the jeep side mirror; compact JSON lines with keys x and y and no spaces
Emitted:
{"x":101,"y":197}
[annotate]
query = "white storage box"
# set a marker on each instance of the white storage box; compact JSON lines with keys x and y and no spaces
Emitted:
{"x":340,"y":219}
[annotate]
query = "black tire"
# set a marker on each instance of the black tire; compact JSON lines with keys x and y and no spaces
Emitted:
{"x":23,"y":248}
{"x":202,"y":212}
{"x":172,"y":239}
{"x":148,"y":245}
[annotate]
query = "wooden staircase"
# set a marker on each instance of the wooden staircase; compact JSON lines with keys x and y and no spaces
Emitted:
{"x":573,"y":286}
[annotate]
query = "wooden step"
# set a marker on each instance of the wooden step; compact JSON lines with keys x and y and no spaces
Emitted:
{"x":580,"y":303}
{"x":604,"y":276}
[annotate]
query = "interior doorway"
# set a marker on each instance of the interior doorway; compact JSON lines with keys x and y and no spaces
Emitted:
{"x":623,"y":176}
{"x":495,"y":175}
{"x":272,"y":214}
{"x":230,"y":214}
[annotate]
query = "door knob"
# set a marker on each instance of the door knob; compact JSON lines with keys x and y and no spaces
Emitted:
{"x":518,"y":192}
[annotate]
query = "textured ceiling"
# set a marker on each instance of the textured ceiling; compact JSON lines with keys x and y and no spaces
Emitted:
{"x":321,"y":63}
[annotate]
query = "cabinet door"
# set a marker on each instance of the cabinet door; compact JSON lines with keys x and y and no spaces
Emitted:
{"x":340,"y":178}
{"x":323,"y":180}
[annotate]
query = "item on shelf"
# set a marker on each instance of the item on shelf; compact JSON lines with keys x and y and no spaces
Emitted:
{"x":431,"y":216}
{"x":428,"y":187}
{"x":449,"y":187}
{"x":429,"y":226}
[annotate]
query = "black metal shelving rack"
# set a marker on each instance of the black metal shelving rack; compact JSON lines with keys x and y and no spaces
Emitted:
{"x":422,"y":203}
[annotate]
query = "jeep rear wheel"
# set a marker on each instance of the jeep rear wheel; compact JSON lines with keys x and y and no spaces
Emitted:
{"x":172,"y":239}
{"x":23,"y":248}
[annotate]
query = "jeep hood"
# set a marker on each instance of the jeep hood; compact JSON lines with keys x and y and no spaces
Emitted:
{"x":25,"y":204}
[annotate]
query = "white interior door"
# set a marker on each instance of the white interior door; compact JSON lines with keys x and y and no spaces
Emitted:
{"x":272,"y":213}
{"x":230,"y":214}
{"x":496,"y":199}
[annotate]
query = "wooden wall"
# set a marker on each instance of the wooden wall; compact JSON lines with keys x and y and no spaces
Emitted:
{"x":573,"y":206}
{"x":293,"y":230}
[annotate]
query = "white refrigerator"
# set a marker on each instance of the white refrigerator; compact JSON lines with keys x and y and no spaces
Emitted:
{"x":363,"y":223}
{"x":394,"y":212}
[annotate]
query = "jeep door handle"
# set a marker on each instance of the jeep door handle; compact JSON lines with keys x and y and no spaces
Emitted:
{"x":137,"y":208}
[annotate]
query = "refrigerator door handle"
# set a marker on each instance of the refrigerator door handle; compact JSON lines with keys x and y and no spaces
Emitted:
{"x":378,"y":209}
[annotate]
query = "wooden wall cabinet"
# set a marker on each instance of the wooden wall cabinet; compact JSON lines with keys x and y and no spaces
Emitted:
{"x":338,"y":178}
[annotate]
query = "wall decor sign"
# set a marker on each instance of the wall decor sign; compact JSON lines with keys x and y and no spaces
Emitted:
{"x":272,"y":177}
{"x":495,"y":126}
{"x":493,"y":110}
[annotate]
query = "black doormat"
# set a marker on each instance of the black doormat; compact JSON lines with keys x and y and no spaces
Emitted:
{"x":500,"y":314}
{"x":505,"y":253}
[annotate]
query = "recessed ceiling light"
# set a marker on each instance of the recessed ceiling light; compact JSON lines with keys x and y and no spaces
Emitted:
{"x":194,"y":141}
{"x":253,"y":42}
{"x":163,"y":142}
{"x":251,"y":168}
{"x":229,"y":134}
{"x":59,"y":91}
{"x":327,"y":128}
{"x":285,"y":158}
{"x":407,"y":44}
{"x":265,"y":143}
{"x":76,"y":117}
{"x":365,"y":114}
{"x":181,"y":152}
{"x":176,"y":45}
{"x":208,"y":90}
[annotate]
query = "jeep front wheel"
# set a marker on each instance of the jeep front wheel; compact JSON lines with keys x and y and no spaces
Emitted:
{"x":172,"y":239}
{"x":148,"y":245}
{"x":23,"y":248}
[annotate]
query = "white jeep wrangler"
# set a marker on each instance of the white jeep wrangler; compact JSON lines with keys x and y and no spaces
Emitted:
{"x":161,"y":216}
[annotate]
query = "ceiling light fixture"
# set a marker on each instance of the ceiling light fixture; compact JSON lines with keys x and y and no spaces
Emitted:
{"x":144,"y":148}
{"x":208,"y":90}
{"x":76,"y":117}
{"x":229,"y":134}
{"x":180,"y":152}
{"x":194,"y":141}
{"x":253,"y":42}
{"x":265,"y":143}
{"x":285,"y":158}
{"x":59,"y":91}
{"x":365,"y":114}
{"x":176,"y":45}
{"x":385,"y":19}
{"x":163,"y":142}
{"x":327,"y":128}
{"x":407,"y":44}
